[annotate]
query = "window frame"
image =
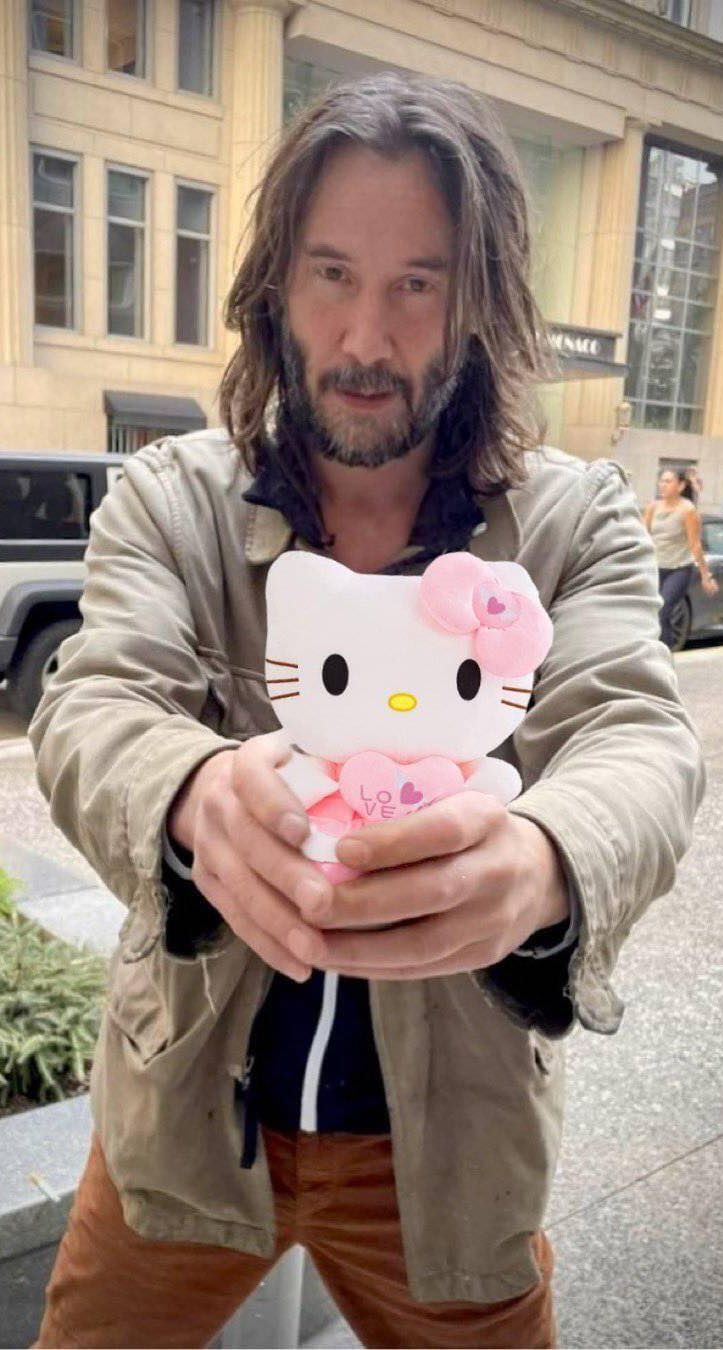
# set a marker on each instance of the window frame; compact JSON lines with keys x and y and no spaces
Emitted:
{"x":216,"y":20}
{"x":112,"y":166}
{"x":76,"y":212}
{"x":76,"y":21}
{"x":146,"y":29}
{"x":212,"y":191}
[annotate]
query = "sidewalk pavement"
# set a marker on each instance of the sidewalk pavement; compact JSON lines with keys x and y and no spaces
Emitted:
{"x":635,"y":1210}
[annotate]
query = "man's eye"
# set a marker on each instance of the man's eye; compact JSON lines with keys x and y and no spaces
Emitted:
{"x":331,"y":273}
{"x":417,"y":285}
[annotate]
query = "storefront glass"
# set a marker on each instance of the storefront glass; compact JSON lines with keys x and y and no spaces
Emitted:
{"x":553,"y":176}
{"x":674,"y":289}
{"x":304,"y":81}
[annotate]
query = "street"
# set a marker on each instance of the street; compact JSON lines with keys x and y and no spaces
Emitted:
{"x":635,"y":1211}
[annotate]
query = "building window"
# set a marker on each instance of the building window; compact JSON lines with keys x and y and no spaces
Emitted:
{"x":702,"y":16}
{"x":674,"y":289}
{"x":196,"y":45}
{"x":676,"y":11}
{"x":127,"y":37}
{"x":137,"y":419}
{"x":193,"y":253}
{"x":54,"y":27}
{"x":54,"y":208}
{"x":304,"y":81}
{"x":125,"y":440}
{"x":126,"y":253}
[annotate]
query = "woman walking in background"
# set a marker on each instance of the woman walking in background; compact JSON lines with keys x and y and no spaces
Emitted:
{"x":674,"y":525}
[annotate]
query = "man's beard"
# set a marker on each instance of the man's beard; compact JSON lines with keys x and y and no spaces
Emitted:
{"x":361,"y":440}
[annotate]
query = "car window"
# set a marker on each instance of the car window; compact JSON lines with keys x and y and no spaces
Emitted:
{"x":713,"y":536}
{"x":44,"y":504}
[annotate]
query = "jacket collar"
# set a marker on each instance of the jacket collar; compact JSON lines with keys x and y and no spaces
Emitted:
{"x":451,"y":515}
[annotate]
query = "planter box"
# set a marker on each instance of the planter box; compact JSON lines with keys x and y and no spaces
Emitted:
{"x":290,"y":1308}
{"x":49,"y":1143}
{"x":47,"y":1147}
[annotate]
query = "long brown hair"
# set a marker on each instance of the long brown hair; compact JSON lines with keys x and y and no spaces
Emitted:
{"x":494,"y":330}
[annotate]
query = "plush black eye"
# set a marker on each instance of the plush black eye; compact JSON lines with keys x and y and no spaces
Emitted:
{"x":469,"y":679}
{"x":335,"y":674}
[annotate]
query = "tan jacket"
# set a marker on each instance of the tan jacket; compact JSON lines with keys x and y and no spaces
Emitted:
{"x":168,"y":668}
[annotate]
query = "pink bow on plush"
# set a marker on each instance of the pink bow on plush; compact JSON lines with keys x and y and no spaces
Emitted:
{"x":512,"y":632}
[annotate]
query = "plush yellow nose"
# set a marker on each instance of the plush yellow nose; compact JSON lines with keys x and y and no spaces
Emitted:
{"x":402,"y":702}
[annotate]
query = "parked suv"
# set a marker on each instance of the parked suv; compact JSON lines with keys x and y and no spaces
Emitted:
{"x":46,"y":502}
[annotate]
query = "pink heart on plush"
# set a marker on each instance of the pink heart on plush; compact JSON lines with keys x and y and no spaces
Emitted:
{"x":379,"y":789}
{"x":495,"y":606}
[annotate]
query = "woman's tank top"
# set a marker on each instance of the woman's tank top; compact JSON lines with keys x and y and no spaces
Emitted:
{"x":669,"y":537}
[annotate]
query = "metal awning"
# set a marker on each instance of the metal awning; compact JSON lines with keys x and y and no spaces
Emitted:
{"x":585,"y":353}
{"x":164,"y":411}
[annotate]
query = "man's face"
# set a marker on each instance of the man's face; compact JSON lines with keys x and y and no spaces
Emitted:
{"x":366,"y":308}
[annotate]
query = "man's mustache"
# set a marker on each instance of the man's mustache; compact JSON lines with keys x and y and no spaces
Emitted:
{"x":361,"y":380}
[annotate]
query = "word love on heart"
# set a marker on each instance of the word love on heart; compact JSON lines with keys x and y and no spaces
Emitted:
{"x":378,"y":788}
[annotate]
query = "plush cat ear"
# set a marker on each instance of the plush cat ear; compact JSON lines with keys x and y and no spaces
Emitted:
{"x":298,"y":578}
{"x":497,"y":603}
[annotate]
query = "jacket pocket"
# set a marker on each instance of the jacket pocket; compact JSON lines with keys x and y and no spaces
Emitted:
{"x":136,"y":1007}
{"x":252,"y":713}
{"x":217,"y":709}
{"x":237,"y":704}
{"x":545,"y":1053}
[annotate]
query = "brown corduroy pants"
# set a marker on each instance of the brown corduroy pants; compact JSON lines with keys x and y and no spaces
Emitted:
{"x":335,"y":1195}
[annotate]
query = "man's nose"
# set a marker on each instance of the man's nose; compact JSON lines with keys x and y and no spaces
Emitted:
{"x":366,"y":336}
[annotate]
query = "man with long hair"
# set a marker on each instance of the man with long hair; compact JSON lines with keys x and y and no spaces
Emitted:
{"x":380,"y":410}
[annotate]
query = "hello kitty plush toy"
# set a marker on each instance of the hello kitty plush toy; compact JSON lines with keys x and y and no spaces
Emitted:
{"x":394,"y":688}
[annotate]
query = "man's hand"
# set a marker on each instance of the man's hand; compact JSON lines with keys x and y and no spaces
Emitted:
{"x":464,"y":883}
{"x":244,"y":827}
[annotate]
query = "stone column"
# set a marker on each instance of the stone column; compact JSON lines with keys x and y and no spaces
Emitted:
{"x":16,"y":320}
{"x":256,"y":116}
{"x":604,"y":270}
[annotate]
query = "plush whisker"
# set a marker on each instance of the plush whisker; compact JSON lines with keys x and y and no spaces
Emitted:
{"x":513,"y":689}
{"x":274,"y":697}
{"x":507,"y":704}
{"x":286,"y":679}
{"x":290,"y":665}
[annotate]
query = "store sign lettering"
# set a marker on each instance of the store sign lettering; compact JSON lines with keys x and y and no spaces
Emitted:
{"x":570,"y":343}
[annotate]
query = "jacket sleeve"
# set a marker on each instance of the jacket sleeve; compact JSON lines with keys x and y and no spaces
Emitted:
{"x":117,"y":730}
{"x":611,"y":761}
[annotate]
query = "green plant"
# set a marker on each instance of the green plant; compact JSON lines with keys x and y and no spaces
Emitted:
{"x":51,"y":999}
{"x":7,"y":886}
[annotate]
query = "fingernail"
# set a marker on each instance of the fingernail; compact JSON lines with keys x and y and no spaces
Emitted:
{"x":293,"y":828}
{"x":311,"y":894}
{"x":299,"y":944}
{"x":352,"y":852}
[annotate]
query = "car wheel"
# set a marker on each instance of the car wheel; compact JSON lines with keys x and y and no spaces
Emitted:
{"x":680,"y":622}
{"x":29,"y":675}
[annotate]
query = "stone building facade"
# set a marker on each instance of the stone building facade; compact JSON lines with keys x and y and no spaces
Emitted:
{"x":132,"y":131}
